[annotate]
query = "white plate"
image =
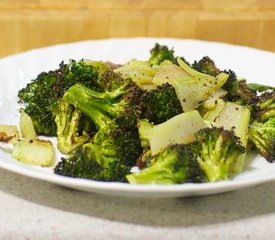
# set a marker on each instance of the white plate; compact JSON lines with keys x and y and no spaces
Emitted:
{"x":15,"y":71}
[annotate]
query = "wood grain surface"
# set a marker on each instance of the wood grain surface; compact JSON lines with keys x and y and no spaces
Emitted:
{"x":28,"y":24}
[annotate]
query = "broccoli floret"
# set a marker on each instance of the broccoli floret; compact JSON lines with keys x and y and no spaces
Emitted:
{"x":231,"y":86}
{"x":217,"y":151}
{"x":113,"y":85}
{"x":262,"y":136}
{"x":82,"y":163}
{"x":115,"y":114}
{"x":116,"y":143}
{"x":145,"y":159}
{"x":206,"y":65}
{"x":240,"y":91}
{"x":73,"y":127}
{"x":40,"y":97}
{"x":176,"y":164}
{"x":121,"y":101}
{"x":109,"y":155}
{"x":160,"y":104}
{"x":159,"y":53}
{"x":263,"y":106}
{"x":245,"y":94}
{"x":144,"y":131}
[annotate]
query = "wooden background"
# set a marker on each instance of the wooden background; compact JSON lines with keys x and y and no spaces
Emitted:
{"x":28,"y":24}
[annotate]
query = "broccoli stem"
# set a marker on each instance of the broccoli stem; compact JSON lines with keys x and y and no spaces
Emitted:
{"x":268,"y":114}
{"x":112,"y":109}
{"x":86,"y":92}
{"x":82,"y":102}
{"x":216,"y":168}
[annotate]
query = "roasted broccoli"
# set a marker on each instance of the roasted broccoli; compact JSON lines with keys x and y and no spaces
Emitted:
{"x":115,"y":113}
{"x":160,"y":104}
{"x":108,"y":156}
{"x":263,"y":106}
{"x":206,"y":65}
{"x":262,"y":136}
{"x":123,"y":101}
{"x":159,"y":53}
{"x":73,"y":127}
{"x":117,"y":141}
{"x":244,"y":95}
{"x":176,"y":164}
{"x":144,"y":132}
{"x":217,"y":151}
{"x":232,"y":86}
{"x":82,"y":163}
{"x":40,"y":97}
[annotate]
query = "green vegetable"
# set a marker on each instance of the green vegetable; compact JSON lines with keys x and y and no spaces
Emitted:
{"x":261,"y":132}
{"x":40,"y":97}
{"x":217,"y":151}
{"x":262,"y":135}
{"x":116,"y":142}
{"x":159,"y":53}
{"x":81,"y":163}
{"x":160,"y":104}
{"x":206,"y":65}
{"x":263,"y":106}
{"x":73,"y":127}
{"x":176,"y":164}
{"x":144,"y":131}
